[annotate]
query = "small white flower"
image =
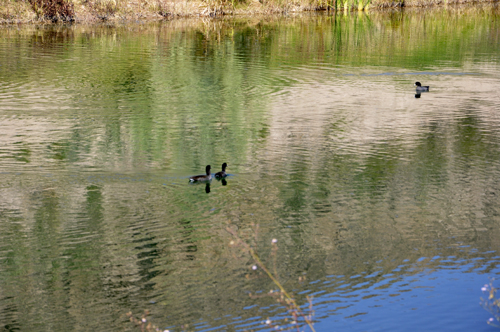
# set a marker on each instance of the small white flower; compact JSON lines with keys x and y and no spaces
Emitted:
{"x":144,"y":320}
{"x":254,"y":267}
{"x":491,"y":319}
{"x":484,"y":289}
{"x":274,"y":241}
{"x":268,"y":321}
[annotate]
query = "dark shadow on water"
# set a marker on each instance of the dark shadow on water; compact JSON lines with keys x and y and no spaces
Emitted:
{"x":207,"y":184}
{"x":419,"y":93}
{"x":222,"y":180}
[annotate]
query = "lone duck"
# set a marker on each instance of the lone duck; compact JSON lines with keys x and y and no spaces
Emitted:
{"x":421,"y":88}
{"x":199,"y":178}
{"x":222,"y":174}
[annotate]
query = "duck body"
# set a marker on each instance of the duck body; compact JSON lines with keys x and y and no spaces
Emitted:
{"x":421,"y":88}
{"x":222,"y":174}
{"x":200,"y":178}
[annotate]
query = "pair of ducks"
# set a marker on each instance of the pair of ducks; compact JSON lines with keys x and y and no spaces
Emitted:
{"x":208,"y":176}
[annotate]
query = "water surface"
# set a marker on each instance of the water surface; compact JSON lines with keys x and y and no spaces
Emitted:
{"x":385,"y":206}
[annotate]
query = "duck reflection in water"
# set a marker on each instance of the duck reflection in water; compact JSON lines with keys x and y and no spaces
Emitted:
{"x":207,"y":184}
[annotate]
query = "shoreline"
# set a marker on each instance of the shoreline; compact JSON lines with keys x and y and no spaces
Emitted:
{"x":120,"y":11}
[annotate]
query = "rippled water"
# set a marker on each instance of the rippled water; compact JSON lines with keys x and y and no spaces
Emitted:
{"x":385,"y":206}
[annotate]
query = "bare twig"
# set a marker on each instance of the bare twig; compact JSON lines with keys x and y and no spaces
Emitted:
{"x":286,"y":298}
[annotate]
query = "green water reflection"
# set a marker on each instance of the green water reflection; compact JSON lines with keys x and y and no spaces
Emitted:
{"x":328,"y":149}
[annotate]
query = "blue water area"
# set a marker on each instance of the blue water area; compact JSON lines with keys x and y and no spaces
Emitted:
{"x":428,"y":301}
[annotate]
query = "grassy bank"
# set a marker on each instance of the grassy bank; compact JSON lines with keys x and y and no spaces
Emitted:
{"x":24,"y":11}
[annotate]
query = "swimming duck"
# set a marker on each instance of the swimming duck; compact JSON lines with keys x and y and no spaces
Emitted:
{"x":421,"y":88}
{"x":221,"y":174}
{"x":198,"y":178}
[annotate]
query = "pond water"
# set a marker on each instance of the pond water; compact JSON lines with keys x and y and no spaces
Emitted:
{"x":385,"y":204}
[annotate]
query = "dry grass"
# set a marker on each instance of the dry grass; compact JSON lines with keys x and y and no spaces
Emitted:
{"x":18,"y":11}
{"x":122,"y":10}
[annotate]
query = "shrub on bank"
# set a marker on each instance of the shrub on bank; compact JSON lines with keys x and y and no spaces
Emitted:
{"x":53,"y":10}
